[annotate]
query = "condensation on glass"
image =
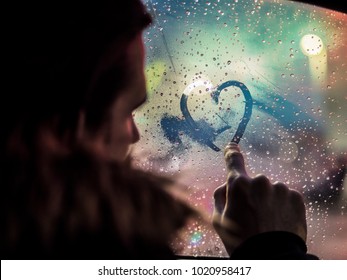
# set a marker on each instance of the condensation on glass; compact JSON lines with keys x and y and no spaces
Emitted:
{"x":206,"y":60}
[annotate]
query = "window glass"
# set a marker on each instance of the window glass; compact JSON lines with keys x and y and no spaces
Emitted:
{"x":271,"y":74}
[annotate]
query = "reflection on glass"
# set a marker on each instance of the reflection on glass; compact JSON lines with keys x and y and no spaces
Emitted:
{"x":272,"y":74}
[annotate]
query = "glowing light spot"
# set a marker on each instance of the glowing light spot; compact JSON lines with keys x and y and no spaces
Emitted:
{"x":311,"y":45}
{"x":196,"y":238}
{"x":198,"y":83}
{"x":154,"y":75}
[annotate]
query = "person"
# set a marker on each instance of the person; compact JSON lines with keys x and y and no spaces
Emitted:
{"x":257,"y":219}
{"x":69,"y":191}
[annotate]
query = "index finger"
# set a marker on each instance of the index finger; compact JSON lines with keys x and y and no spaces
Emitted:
{"x":234,"y":160}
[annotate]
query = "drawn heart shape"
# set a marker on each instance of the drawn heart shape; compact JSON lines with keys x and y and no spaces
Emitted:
{"x":215,"y":97}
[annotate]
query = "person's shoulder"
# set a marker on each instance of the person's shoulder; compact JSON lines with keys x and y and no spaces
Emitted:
{"x":136,"y":204}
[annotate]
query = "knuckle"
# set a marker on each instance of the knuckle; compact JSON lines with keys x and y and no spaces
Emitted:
{"x":296,"y":197}
{"x":239,"y":185}
{"x":261,"y":180}
{"x":240,"y":180}
{"x":281,"y":188}
{"x":261,"y":184}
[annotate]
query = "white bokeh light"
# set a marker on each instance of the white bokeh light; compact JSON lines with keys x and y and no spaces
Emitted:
{"x":311,"y":45}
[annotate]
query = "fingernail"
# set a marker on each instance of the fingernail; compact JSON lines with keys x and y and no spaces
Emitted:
{"x":231,"y":150}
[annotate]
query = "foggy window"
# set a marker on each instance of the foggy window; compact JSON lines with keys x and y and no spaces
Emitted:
{"x":270,"y":74}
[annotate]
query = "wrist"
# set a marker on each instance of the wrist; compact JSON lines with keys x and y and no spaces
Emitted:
{"x":272,"y":245}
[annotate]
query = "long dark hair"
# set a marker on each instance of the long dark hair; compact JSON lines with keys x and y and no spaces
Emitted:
{"x":82,"y":207}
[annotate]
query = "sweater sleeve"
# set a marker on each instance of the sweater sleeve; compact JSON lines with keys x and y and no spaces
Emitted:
{"x":276,"y":245}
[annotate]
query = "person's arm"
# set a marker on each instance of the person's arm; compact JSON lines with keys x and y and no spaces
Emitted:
{"x":273,"y":245}
{"x":257,"y":219}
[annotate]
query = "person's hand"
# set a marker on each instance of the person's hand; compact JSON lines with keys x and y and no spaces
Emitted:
{"x":247,"y":206}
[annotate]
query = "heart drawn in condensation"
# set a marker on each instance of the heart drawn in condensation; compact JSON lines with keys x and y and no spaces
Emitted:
{"x":193,"y":125}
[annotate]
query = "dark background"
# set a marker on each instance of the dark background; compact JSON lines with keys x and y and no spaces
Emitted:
{"x":338,"y":5}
